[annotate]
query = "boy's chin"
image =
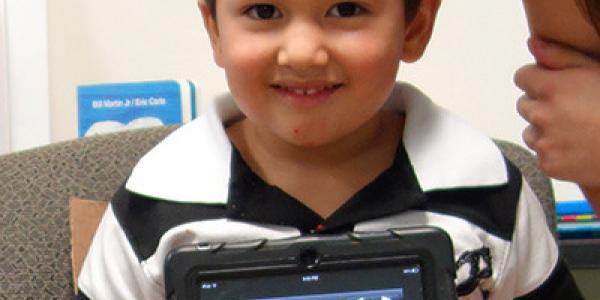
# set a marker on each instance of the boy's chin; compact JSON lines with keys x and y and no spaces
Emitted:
{"x":303,"y":142}
{"x":306,"y":144}
{"x":312,"y":143}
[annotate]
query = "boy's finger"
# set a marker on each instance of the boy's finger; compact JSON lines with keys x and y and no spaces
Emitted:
{"x":556,"y":56}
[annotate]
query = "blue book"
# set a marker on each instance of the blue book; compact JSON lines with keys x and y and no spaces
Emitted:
{"x":111,"y":107}
{"x":573,"y":207}
{"x":578,"y":230}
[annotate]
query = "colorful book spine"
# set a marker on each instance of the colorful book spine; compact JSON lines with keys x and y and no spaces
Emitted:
{"x":573,"y":208}
{"x":577,"y":220}
{"x":579,"y":230}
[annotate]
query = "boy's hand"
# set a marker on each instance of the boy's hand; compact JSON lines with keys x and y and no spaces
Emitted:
{"x":562,"y":105}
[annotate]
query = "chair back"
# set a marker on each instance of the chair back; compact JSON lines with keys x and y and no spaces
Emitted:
{"x":35,"y":187}
{"x":540,"y":183}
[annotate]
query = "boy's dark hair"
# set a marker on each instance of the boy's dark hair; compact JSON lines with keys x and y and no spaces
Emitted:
{"x":410,"y":7}
{"x":592,"y":8}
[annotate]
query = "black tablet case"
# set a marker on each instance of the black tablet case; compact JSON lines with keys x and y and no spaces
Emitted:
{"x":429,"y":249}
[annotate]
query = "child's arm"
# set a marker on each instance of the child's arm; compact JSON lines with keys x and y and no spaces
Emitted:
{"x":562,"y":105}
{"x":531,"y":267}
{"x":111,"y":269}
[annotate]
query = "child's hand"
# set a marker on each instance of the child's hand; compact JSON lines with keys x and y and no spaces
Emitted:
{"x":562,"y":105}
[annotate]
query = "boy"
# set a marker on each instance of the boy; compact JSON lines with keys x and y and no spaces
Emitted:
{"x":562,"y":90}
{"x":319,"y":138}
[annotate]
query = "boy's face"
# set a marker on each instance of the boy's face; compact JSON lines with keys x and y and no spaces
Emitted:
{"x":564,"y":22}
{"x":313,"y":71}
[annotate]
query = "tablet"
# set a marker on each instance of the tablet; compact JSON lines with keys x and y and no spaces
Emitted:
{"x":411,"y":264}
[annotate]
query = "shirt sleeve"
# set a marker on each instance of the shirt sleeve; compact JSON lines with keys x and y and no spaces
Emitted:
{"x":532,"y":264}
{"x":112,"y":270}
{"x":560,"y":285}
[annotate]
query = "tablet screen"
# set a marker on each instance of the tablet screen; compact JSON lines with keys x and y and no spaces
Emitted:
{"x":366,"y":283}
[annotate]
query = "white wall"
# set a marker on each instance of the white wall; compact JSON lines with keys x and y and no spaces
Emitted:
{"x":123,"y":40}
{"x":4,"y":108}
{"x":468,"y":68}
{"x":27,"y":68}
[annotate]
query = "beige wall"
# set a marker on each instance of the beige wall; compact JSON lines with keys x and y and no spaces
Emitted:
{"x":123,"y":40}
{"x":4,"y":107}
{"x":25,"y":85}
{"x":468,"y":68}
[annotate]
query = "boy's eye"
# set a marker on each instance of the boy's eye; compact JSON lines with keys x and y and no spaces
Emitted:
{"x":346,"y":9}
{"x":263,"y":12}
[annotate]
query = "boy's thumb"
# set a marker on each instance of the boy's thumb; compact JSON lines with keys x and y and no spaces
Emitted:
{"x":557,"y":56}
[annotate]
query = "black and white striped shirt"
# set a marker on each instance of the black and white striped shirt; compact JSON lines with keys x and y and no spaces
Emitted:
{"x":195,"y":187}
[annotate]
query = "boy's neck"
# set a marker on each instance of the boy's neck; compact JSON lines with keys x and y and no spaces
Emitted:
{"x":322,"y":177}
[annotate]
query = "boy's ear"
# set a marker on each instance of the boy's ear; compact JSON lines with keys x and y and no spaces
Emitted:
{"x":418,"y":31}
{"x":210,"y":23}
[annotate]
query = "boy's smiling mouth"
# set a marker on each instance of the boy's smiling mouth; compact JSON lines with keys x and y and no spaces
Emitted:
{"x":306,"y":90}
{"x":306,"y":94}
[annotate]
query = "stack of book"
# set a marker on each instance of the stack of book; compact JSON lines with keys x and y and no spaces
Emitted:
{"x":577,"y":220}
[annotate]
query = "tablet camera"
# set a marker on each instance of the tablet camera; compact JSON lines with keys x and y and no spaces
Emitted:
{"x":309,"y":258}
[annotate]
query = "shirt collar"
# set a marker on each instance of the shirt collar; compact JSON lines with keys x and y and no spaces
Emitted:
{"x":192,"y":165}
{"x":252,"y":199}
{"x":444,"y":150}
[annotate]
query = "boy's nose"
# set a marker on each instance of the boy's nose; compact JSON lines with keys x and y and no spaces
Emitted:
{"x":303,"y":48}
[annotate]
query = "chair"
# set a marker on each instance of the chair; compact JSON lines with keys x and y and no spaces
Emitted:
{"x":541,"y":185}
{"x":35,"y":186}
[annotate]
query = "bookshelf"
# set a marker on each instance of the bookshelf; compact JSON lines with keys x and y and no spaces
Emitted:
{"x":579,"y":242}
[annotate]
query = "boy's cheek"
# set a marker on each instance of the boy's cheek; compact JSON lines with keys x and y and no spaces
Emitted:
{"x":372,"y":60}
{"x":242,"y":69}
{"x":244,"y":54}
